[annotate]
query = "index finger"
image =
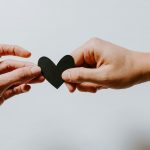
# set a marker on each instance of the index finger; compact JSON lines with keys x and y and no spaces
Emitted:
{"x":21,"y":75}
{"x":13,"y":50}
{"x":85,"y":53}
{"x":78,"y":56}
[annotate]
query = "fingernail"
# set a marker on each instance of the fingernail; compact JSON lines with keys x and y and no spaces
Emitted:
{"x":29,"y":54}
{"x":36,"y":70}
{"x":65,"y":75}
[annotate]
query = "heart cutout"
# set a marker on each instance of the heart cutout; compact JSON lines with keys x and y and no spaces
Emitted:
{"x":53,"y":72}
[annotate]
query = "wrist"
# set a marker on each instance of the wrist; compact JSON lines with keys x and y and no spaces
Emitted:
{"x":141,"y":65}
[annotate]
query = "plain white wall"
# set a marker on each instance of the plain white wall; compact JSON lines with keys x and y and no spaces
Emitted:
{"x":49,"y":119}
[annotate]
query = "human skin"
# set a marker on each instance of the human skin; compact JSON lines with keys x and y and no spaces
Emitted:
{"x":16,"y":76}
{"x":101,"y":65}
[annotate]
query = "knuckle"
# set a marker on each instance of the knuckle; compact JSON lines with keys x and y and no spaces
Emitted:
{"x":94,"y":41}
{"x":14,"y":48}
{"x":7,"y":63}
{"x":18,"y":90}
{"x":25,"y":73}
{"x":94,"y":38}
{"x":14,"y":91}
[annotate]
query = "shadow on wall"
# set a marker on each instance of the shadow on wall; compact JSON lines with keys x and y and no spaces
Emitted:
{"x":142,"y":145}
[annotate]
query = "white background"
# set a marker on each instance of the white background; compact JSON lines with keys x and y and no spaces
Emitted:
{"x":50,"y":119}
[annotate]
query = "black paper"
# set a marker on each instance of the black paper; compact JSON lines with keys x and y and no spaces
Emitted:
{"x":53,"y":73}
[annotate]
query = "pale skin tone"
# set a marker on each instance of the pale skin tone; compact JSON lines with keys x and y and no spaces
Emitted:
{"x":16,"y":76}
{"x":101,"y":65}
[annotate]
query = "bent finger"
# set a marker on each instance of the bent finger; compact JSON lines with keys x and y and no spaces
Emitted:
{"x":16,"y":91}
{"x":89,"y":84}
{"x":71,"y":87}
{"x":83,"y":88}
{"x":39,"y":79}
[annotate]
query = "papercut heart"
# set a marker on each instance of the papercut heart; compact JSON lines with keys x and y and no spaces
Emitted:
{"x":53,"y":73}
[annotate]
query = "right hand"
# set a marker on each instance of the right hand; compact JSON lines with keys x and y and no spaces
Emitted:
{"x":15,"y":76}
{"x":101,"y":64}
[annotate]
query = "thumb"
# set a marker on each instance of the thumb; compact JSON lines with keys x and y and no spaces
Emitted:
{"x":81,"y":74}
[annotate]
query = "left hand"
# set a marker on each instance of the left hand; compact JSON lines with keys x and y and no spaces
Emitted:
{"x":15,"y":76}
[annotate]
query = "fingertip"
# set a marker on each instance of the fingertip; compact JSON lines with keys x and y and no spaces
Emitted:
{"x":65,"y":75}
{"x":26,"y":88}
{"x":19,"y":51}
{"x":28,"y":54}
{"x":72,"y":90}
{"x":41,"y":78}
{"x":71,"y":87}
{"x":35,"y":70}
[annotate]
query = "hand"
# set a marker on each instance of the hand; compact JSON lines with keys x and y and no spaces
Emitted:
{"x":15,"y":76}
{"x":101,"y":64}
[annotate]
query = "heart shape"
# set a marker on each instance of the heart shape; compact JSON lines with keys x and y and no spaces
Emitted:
{"x":53,"y":73}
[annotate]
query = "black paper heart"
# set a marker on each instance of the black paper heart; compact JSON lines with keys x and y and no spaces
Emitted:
{"x":53,"y":73}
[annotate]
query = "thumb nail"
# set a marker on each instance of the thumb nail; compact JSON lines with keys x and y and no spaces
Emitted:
{"x":66,"y":76}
